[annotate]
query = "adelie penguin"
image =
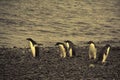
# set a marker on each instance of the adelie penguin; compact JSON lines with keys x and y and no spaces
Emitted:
{"x":34,"y":48}
{"x":70,"y":48}
{"x":62,"y":49}
{"x":104,"y":54}
{"x":92,"y":50}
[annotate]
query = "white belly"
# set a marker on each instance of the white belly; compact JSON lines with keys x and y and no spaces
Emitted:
{"x":92,"y":51}
{"x":62,"y":51}
{"x":70,"y":52}
{"x":105,"y":56}
{"x":32,"y":49}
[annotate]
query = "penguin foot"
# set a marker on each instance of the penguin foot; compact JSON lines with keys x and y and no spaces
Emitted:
{"x":105,"y":64}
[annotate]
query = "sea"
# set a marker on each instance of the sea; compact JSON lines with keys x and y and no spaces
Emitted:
{"x":51,"y":21}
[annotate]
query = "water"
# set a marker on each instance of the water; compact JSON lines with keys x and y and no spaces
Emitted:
{"x":49,"y":21}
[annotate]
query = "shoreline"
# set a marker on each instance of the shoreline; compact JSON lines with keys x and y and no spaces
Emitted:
{"x":79,"y":44}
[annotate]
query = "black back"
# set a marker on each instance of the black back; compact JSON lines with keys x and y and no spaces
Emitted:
{"x":58,"y":43}
{"x":71,"y":46}
{"x":30,"y":39}
{"x":102,"y":52}
{"x":37,"y":52}
{"x":89,"y":42}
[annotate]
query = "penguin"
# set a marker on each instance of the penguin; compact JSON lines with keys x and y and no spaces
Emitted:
{"x":70,"y":48}
{"x":62,"y":49}
{"x":92,"y":50}
{"x":34,"y":47}
{"x":104,"y":53}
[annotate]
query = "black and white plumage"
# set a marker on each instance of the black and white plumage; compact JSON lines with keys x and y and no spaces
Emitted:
{"x":92,"y":50}
{"x":34,"y":47}
{"x":62,"y":49}
{"x":70,"y":48}
{"x":104,"y":53}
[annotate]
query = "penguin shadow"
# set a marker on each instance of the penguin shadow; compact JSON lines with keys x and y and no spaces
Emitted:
{"x":28,"y":54}
{"x":99,"y":63}
{"x":56,"y":52}
{"x":101,"y":56}
{"x":92,"y":64}
{"x":38,"y":55}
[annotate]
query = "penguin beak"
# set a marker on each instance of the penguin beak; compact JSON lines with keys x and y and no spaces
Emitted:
{"x":28,"y":39}
{"x":56,"y":44}
{"x":87,"y":42}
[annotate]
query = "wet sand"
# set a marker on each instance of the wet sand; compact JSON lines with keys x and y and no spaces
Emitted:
{"x":18,"y":64}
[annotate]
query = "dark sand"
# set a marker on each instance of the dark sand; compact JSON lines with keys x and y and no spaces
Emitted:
{"x":18,"y":64}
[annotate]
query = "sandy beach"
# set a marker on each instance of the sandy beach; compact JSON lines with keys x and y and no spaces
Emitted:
{"x":18,"y":64}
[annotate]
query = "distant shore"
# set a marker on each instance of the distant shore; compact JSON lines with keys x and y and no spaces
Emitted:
{"x":78,"y":44}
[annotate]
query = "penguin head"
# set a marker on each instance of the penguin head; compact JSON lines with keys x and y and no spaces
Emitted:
{"x":30,"y":39}
{"x":68,"y":41}
{"x":90,"y":42}
{"x":107,"y":45}
{"x":58,"y":43}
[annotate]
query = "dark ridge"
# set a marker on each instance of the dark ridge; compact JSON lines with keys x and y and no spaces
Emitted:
{"x":110,"y":41}
{"x":8,"y":21}
{"x":116,"y":48}
{"x":3,"y":37}
{"x":113,"y":19}
{"x":82,"y":23}
{"x":45,"y":31}
{"x":12,"y":21}
{"x":90,"y":33}
{"x":57,"y":23}
{"x":8,"y":14}
{"x":107,"y":26}
{"x":114,"y":31}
